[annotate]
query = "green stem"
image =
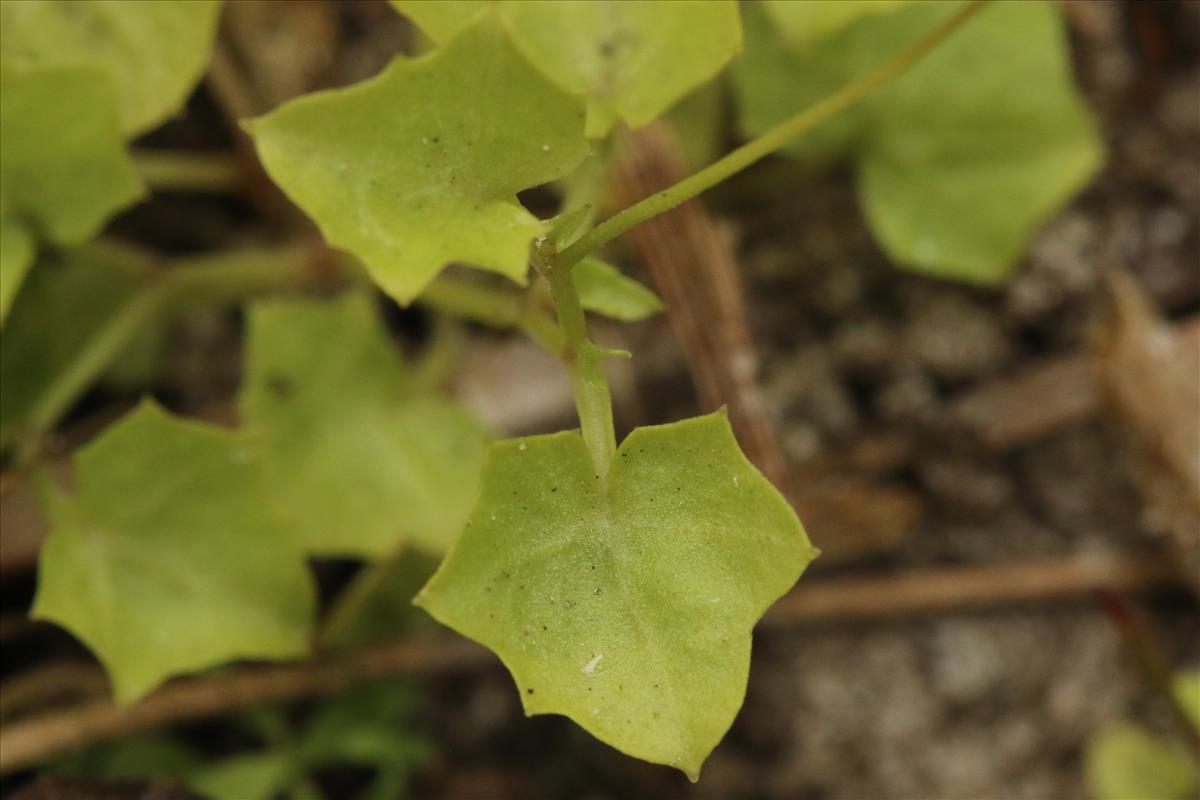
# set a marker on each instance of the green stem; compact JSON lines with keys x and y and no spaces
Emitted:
{"x":204,"y":281}
{"x":231,"y":277}
{"x":91,"y":362}
{"x":768,"y":143}
{"x":593,"y":402}
{"x":476,"y":302}
{"x":177,"y":171}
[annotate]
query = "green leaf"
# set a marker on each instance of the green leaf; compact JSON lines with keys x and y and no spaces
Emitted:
{"x":958,"y":161}
{"x":248,"y":776}
{"x":803,"y":24}
{"x":420,"y":166}
{"x":134,"y":758}
{"x":63,"y":168}
{"x":153,"y":52}
{"x":167,"y":557}
{"x":625,"y":603}
{"x":1186,"y":688}
{"x":633,"y":60}
{"x":16,"y":257}
{"x":358,"y":455}
{"x":1126,"y":762}
{"x":603,"y":289}
{"x":66,"y":300}
{"x":368,"y":725}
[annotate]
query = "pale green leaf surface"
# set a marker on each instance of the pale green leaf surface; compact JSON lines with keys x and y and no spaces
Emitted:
{"x":958,"y":162}
{"x":155,"y":52}
{"x":804,"y":23}
{"x":360,"y":458}
{"x":1127,"y":762}
{"x":63,"y":167}
{"x":166,"y":558}
{"x":605,"y":290}
{"x":961,"y":193}
{"x":625,"y":603}
{"x":68,"y":298}
{"x":420,"y":166}
{"x":632,"y":58}
{"x":16,"y":257}
{"x":1186,"y":687}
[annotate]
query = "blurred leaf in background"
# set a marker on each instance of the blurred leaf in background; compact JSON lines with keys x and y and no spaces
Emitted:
{"x":957,"y":161}
{"x":152,"y":52}
{"x":165,"y":557}
{"x":367,"y":727}
{"x":359,"y":456}
{"x":63,"y":167}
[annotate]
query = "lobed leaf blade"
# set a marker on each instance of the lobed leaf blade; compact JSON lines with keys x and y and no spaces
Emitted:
{"x":153,"y":52}
{"x":166,"y":559}
{"x":627,"y":603}
{"x":420,"y":165}
{"x":359,"y":457}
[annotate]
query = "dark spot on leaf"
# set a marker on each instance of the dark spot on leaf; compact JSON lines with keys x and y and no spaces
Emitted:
{"x":529,"y":691}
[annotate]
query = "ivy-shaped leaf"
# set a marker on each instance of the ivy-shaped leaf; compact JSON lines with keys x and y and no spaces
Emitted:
{"x":605,"y":290}
{"x":360,"y":458}
{"x":625,"y":603}
{"x":420,"y":166}
{"x":63,"y":167}
{"x":632,"y":58}
{"x":167,"y":558}
{"x":66,"y":300}
{"x":958,"y":161}
{"x":154,"y":52}
{"x":1126,"y":761}
{"x":803,"y":24}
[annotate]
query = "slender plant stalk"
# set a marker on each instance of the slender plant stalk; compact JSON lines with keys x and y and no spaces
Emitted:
{"x":593,"y":401}
{"x":769,"y":142}
{"x":176,"y":171}
{"x":91,"y":362}
{"x":231,"y":277}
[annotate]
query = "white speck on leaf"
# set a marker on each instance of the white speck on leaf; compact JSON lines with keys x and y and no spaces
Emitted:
{"x":545,"y":148}
{"x":735,"y":481}
{"x":590,"y":667}
{"x":521,"y":446}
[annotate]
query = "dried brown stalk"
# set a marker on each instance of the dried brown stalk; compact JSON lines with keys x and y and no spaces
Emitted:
{"x":831,"y":601}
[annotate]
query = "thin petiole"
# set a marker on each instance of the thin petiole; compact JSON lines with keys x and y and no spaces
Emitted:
{"x":593,"y":402}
